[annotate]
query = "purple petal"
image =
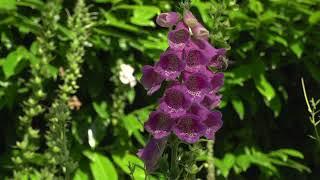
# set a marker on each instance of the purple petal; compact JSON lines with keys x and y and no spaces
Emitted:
{"x":194,"y":57}
{"x":170,"y":65}
{"x":200,"y":32}
{"x":189,"y":19}
{"x":168,"y":19}
{"x":214,"y":55}
{"x":213,"y":123}
{"x":152,"y":153}
{"x":189,"y":128}
{"x":198,"y":110}
{"x":179,"y":36}
{"x":175,"y":101}
{"x":217,"y":82}
{"x":159,"y":124}
{"x":198,"y":85}
{"x":211,"y":101}
{"x":151,"y":80}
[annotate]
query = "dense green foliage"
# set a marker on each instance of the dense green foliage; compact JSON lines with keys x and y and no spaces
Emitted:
{"x":65,"y":113}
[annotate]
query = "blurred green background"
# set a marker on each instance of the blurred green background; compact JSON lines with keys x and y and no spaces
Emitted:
{"x":66,"y":114}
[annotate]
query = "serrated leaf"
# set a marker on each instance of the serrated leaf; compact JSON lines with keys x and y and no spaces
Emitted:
{"x":101,"y":167}
{"x":243,"y":161}
{"x":297,"y":48}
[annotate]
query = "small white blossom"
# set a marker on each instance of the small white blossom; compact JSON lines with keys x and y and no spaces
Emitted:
{"x":126,"y":75}
{"x":91,"y":139}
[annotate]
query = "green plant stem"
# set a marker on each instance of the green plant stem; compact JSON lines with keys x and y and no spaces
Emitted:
{"x":174,"y":158}
{"x":210,"y":161}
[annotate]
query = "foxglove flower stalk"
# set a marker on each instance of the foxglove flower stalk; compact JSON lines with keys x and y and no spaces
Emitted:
{"x":187,"y":108}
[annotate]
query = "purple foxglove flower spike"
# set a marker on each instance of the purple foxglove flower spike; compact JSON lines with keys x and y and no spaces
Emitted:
{"x":175,"y":101}
{"x":197,"y":84}
{"x":189,"y":128}
{"x":179,"y":36}
{"x":151,"y":80}
{"x":171,"y":64}
{"x":152,"y":153}
{"x":211,"y":101}
{"x":159,"y":124}
{"x":200,"y":32}
{"x":189,"y":19}
{"x":217,"y":59}
{"x":168,"y":19}
{"x":213,"y":123}
{"x":195,"y":59}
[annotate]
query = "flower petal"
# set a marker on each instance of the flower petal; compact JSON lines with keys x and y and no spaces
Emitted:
{"x":168,"y":19}
{"x":152,"y":153}
{"x":171,"y":64}
{"x":189,"y":128}
{"x":179,"y":36}
{"x":151,"y":80}
{"x":159,"y":124}
{"x":213,"y":123}
{"x":197,"y":85}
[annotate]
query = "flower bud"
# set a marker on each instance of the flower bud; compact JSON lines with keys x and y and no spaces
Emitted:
{"x":168,"y":19}
{"x":200,"y":32}
{"x":189,"y":19}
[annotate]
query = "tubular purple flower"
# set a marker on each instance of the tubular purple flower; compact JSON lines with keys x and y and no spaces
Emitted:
{"x":175,"y":101}
{"x":171,"y":64}
{"x":189,"y":128}
{"x":198,"y":110}
{"x":213,"y":122}
{"x":200,"y":32}
{"x":159,"y":124}
{"x":151,"y":80}
{"x":179,"y":36}
{"x":152,"y":152}
{"x":197,"y":84}
{"x":168,"y":19}
{"x":214,"y":55}
{"x":217,"y":82}
{"x":189,"y":19}
{"x":211,"y":101}
{"x":195,"y":60}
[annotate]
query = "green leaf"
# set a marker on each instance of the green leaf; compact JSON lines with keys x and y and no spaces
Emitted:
{"x":264,"y":87}
{"x":7,"y":5}
{"x":256,"y":6}
{"x":101,"y":167}
{"x":243,"y":161}
{"x":80,"y":175}
{"x":238,"y":106}
{"x":108,"y":1}
{"x":12,"y":60}
{"x":314,"y":18}
{"x":101,"y":109}
{"x":275,"y":105}
{"x":297,"y":48}
{"x":292,"y":152}
{"x":142,"y":15}
{"x":126,"y":161}
{"x":112,"y":20}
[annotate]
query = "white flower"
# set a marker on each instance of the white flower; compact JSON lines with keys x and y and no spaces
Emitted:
{"x":91,"y":140}
{"x":126,"y":75}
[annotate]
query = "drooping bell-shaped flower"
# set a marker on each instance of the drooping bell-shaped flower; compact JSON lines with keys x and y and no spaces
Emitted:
{"x":189,"y":19}
{"x":171,"y":64}
{"x":152,"y":152}
{"x":213,"y":122}
{"x":197,"y":84}
{"x":198,"y":109}
{"x":176,"y":101}
{"x":200,"y":32}
{"x":159,"y":124}
{"x":151,"y":80}
{"x":214,"y":55}
{"x":211,"y":101}
{"x":189,"y":128}
{"x":179,"y":36}
{"x":168,"y":19}
{"x":216,"y":82}
{"x":194,"y":57}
